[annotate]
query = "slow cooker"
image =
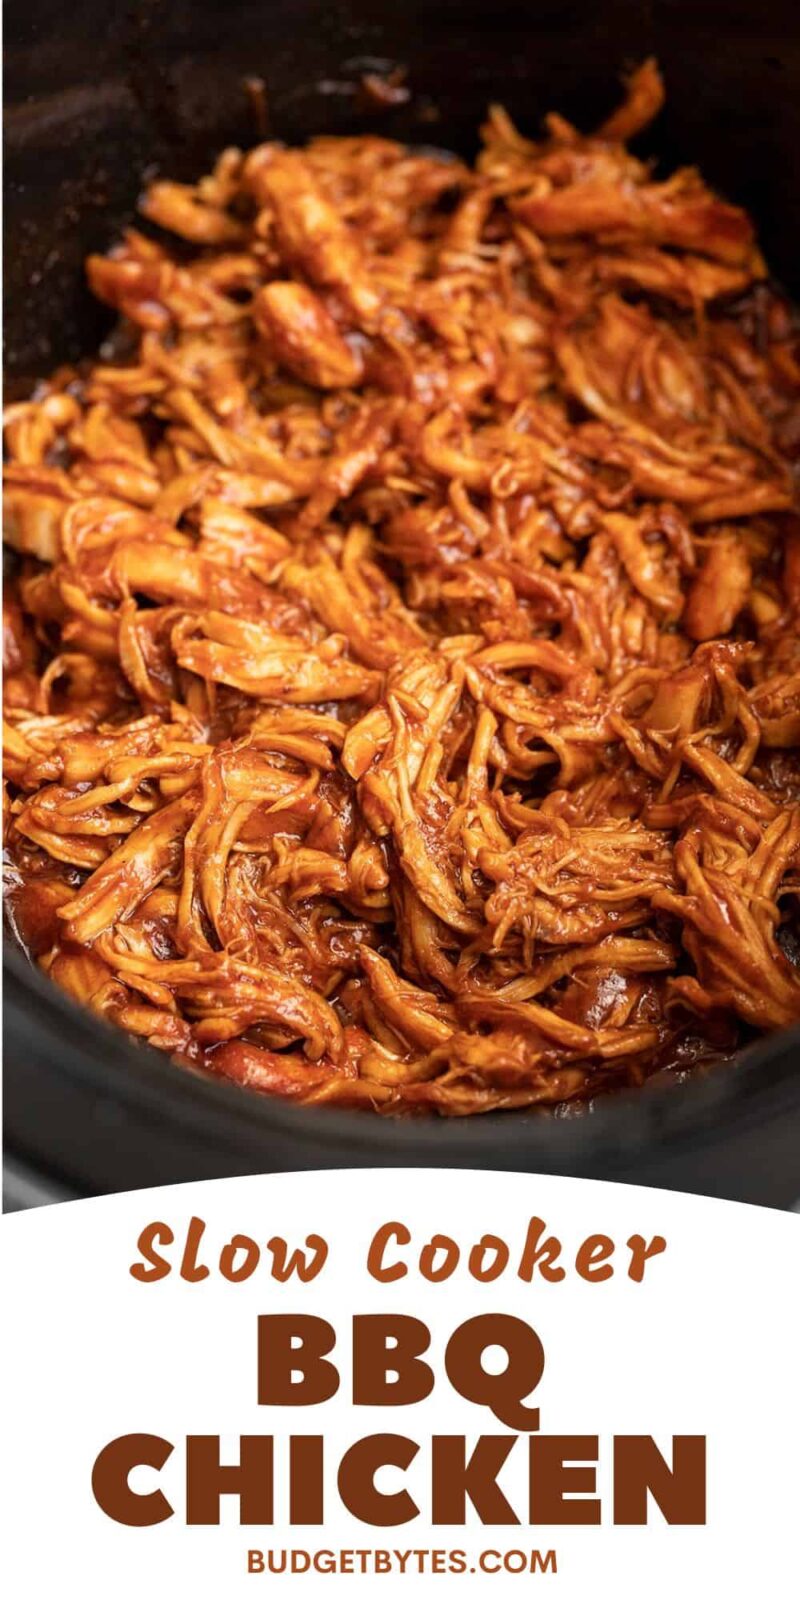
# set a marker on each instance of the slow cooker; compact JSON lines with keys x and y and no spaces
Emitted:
{"x":96,"y":98}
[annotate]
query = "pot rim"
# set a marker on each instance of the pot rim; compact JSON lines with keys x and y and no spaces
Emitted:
{"x":37,"y":1015}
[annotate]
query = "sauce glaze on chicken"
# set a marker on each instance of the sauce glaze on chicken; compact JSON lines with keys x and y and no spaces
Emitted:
{"x":403,"y":670}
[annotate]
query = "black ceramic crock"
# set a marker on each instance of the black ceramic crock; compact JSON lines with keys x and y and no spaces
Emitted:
{"x":97,"y":96}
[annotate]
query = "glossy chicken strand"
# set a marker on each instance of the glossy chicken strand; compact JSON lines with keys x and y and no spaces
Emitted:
{"x":403,"y":668}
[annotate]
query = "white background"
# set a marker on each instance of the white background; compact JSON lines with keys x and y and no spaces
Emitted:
{"x":706,"y":1344}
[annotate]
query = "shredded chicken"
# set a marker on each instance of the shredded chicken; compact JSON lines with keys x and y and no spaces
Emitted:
{"x":403,"y":666}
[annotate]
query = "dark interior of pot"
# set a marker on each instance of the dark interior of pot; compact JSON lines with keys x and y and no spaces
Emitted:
{"x":98,"y":98}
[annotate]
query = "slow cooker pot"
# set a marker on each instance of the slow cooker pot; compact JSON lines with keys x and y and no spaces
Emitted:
{"x":97,"y":96}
